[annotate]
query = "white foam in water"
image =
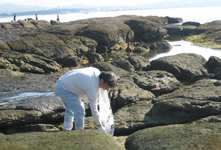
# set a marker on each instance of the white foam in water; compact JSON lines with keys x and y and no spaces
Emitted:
{"x":24,"y":95}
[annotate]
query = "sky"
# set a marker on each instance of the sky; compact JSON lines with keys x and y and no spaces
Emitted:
{"x":55,"y":3}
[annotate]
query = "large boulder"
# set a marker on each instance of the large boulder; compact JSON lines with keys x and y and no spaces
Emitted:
{"x":217,"y":73}
{"x":145,"y":30}
{"x":213,"y":63}
{"x":139,"y":62}
{"x":126,"y":92}
{"x":182,"y":137}
{"x":106,"y":31}
{"x":187,"y":66}
{"x":160,"y":46}
{"x":179,"y":29}
{"x":132,"y":117}
{"x":78,"y":140}
{"x":172,"y":20}
{"x":191,"y":23}
{"x":188,"y":103}
{"x":156,"y":81}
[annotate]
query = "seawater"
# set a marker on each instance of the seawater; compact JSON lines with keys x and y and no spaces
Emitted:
{"x":188,"y":47}
{"x":5,"y":99}
{"x":199,"y":14}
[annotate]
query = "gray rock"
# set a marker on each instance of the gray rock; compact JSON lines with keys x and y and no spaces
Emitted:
{"x":145,"y":30}
{"x":171,"y":20}
{"x":95,"y":57}
{"x":124,"y":64}
{"x":139,"y":62}
{"x":107,"y":66}
{"x":179,"y":29}
{"x":210,"y":119}
{"x":126,"y":92}
{"x":30,"y":83}
{"x":8,"y":73}
{"x":182,"y":137}
{"x":213,"y":63}
{"x":161,"y":46}
{"x":12,"y":118}
{"x":191,"y":23}
{"x":137,"y":47}
{"x":217,"y":73}
{"x":132,"y":117}
{"x":188,"y":103}
{"x":158,"y":82}
{"x":187,"y":66}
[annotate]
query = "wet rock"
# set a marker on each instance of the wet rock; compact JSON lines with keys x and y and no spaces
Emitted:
{"x":173,"y":20}
{"x":182,"y":66}
{"x":161,"y":46}
{"x":137,"y":47}
{"x":95,"y":57}
{"x":213,"y":63}
{"x":179,"y":29}
{"x":217,"y":73}
{"x":188,"y":136}
{"x":69,"y":61}
{"x":191,"y":23}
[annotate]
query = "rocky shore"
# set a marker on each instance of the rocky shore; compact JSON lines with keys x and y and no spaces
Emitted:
{"x":172,"y":102}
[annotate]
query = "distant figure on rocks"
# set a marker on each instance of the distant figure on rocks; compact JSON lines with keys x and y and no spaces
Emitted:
{"x":58,"y":18}
{"x":14,"y":17}
{"x":36,"y":16}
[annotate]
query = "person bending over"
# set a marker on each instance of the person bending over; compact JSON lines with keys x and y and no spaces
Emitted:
{"x":83,"y":81}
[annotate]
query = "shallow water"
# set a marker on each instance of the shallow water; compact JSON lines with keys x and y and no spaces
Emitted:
{"x":188,"y":47}
{"x":6,"y":97}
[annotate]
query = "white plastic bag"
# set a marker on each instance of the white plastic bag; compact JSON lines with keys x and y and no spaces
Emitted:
{"x":105,"y":112}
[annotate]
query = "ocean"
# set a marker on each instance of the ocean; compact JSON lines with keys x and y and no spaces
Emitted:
{"x":198,"y":14}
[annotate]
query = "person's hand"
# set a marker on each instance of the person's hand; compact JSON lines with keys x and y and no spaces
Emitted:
{"x":102,"y":129}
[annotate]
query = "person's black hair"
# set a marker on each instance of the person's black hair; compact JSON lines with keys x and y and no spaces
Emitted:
{"x":109,"y":78}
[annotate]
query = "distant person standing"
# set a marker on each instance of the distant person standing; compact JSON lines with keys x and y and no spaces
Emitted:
{"x":58,"y":18}
{"x":36,"y":16}
{"x":14,"y":17}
